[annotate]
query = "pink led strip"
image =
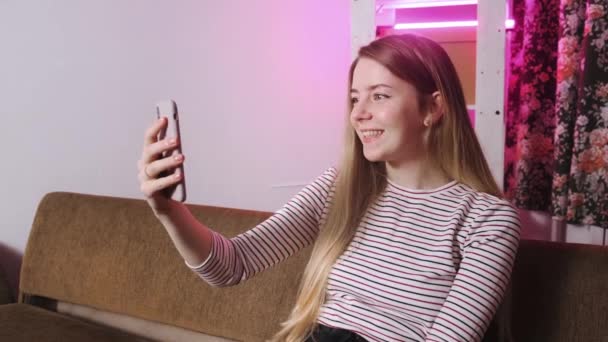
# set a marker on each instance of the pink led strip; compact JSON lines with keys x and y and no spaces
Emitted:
{"x":509,"y":23}
{"x":424,"y":4}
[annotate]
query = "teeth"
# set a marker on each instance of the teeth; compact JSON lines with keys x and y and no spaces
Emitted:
{"x":374,"y":133}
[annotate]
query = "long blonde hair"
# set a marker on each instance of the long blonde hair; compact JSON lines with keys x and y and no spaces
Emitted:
{"x":452,"y":143}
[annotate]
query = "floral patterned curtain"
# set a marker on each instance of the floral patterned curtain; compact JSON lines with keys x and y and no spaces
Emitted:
{"x":556,"y":156}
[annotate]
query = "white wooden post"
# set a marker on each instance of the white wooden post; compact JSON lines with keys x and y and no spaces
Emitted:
{"x":363,"y":24}
{"x":490,"y":83}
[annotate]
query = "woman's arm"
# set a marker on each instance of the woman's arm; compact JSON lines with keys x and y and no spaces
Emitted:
{"x":482,"y":279}
{"x":191,"y":238}
{"x":289,"y":230}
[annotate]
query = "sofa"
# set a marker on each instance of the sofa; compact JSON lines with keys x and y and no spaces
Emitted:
{"x":99,"y":268}
{"x":5,"y":291}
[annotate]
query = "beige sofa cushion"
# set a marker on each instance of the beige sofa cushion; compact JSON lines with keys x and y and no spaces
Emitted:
{"x":141,"y":327}
{"x":27,"y":323}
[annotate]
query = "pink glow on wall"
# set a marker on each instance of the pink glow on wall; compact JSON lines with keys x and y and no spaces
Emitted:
{"x":509,"y":23}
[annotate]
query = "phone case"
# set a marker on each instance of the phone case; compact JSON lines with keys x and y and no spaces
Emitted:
{"x":169,"y":109}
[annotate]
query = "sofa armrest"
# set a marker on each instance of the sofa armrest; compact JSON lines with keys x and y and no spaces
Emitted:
{"x":5,"y":289}
{"x":560,"y":292}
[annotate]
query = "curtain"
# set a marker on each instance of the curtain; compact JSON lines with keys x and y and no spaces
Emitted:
{"x":556,"y":152}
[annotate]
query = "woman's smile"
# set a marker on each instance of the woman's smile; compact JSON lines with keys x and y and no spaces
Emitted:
{"x":371,"y":135}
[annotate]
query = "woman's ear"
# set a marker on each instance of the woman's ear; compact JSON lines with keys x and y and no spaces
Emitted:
{"x":435,"y":110}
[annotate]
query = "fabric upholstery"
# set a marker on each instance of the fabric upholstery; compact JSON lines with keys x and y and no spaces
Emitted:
{"x":156,"y":331}
{"x":5,"y":290}
{"x":560,"y":292}
{"x":26,"y":323}
{"x":113,"y":254}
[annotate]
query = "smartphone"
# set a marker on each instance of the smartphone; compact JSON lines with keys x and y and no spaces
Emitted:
{"x":168,"y":108}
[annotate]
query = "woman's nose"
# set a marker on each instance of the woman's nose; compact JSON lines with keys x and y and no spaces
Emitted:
{"x":361,"y":112}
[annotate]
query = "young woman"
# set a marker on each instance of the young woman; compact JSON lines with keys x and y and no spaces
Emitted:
{"x":412,"y":240}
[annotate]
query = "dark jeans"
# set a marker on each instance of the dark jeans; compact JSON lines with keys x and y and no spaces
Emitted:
{"x":326,"y":334}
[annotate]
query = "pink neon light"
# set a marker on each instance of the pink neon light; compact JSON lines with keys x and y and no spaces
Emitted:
{"x":510,"y":23}
{"x":424,"y":4}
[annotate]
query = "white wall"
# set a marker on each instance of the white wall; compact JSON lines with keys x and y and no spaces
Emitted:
{"x":261,"y":87}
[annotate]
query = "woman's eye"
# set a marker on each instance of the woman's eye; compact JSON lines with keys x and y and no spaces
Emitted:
{"x":354,"y":100}
{"x":380,"y":97}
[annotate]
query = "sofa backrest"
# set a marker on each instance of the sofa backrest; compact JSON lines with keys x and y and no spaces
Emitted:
{"x":560,"y":292}
{"x":112,"y":254}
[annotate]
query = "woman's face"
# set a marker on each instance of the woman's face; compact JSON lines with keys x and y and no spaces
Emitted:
{"x":386,"y":115}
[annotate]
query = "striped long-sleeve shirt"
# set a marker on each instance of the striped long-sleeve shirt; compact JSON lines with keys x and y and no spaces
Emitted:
{"x":424,"y":265}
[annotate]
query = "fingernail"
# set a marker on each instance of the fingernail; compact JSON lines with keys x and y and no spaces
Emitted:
{"x":179,"y":157}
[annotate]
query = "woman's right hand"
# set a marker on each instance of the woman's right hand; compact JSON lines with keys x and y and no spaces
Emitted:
{"x":151,"y":166}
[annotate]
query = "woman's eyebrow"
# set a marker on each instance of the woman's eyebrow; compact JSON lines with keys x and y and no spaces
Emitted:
{"x":353,"y":90}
